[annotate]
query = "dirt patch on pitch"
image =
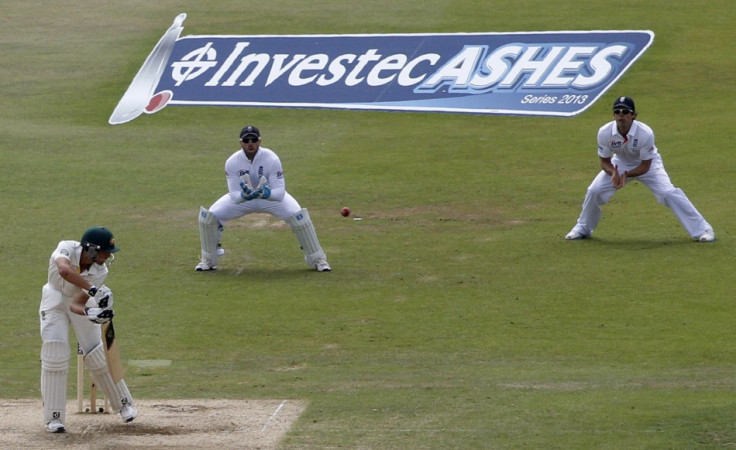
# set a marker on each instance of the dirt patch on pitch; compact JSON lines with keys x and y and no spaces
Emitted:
{"x":181,"y":424}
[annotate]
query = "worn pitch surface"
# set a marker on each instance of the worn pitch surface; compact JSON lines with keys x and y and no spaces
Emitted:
{"x":197,"y":423}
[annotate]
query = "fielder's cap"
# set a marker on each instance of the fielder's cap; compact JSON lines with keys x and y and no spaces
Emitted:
{"x":624,"y":102}
{"x":250,"y":130}
{"x":100,"y":237}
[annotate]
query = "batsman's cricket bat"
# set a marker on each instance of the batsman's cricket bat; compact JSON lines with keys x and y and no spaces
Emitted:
{"x":112,"y":352}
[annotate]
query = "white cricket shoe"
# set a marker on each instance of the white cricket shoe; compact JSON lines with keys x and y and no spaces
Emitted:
{"x":220,"y":250}
{"x":204,"y":266}
{"x":128,"y":413}
{"x":55,"y":426}
{"x":322,"y":266}
{"x":576,"y":234}
{"x":708,"y":236}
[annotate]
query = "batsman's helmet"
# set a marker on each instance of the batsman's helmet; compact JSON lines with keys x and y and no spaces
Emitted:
{"x":99,"y":238}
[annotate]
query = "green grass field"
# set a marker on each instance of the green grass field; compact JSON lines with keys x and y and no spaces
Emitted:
{"x":456,"y":315}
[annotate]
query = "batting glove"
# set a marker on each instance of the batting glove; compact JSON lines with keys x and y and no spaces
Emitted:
{"x":99,"y":315}
{"x":102,"y":303}
{"x":92,"y":291}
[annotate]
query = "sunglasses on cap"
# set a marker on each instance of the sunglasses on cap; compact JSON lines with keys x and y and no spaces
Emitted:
{"x":622,"y":111}
{"x":248,"y":139}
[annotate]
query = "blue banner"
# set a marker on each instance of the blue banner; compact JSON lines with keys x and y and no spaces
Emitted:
{"x":559,"y":73}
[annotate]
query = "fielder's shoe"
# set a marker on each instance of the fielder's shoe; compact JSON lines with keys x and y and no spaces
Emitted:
{"x":55,"y":426}
{"x":220,"y":250}
{"x":322,"y":266}
{"x":128,"y":413}
{"x":708,"y":236}
{"x":204,"y":266}
{"x":576,"y":234}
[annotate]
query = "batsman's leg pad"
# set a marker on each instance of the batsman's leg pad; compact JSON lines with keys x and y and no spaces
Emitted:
{"x":303,"y":228}
{"x":117,"y":393}
{"x":54,"y":370}
{"x":209,"y":235}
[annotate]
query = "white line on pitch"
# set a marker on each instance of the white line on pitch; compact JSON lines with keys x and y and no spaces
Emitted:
{"x":273,"y":415}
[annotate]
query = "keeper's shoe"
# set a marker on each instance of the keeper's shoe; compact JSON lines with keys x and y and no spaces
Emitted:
{"x":322,"y":266}
{"x":204,"y":266}
{"x":575,"y":234}
{"x":55,"y":426}
{"x":708,"y":236}
{"x":128,"y":413}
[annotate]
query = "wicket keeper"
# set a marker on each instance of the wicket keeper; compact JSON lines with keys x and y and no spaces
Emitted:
{"x":256,"y":184}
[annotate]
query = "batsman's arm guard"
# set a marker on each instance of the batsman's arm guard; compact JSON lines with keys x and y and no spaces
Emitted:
{"x":209,"y":235}
{"x":303,"y":228}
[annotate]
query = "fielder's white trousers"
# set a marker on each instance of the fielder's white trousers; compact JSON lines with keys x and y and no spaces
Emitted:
{"x":658,"y":181}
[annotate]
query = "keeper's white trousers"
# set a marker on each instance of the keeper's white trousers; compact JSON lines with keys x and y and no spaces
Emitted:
{"x":225,"y":209}
{"x":658,"y":181}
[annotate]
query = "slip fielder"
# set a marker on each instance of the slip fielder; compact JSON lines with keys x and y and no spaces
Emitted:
{"x":255,"y":181}
{"x":626,"y":151}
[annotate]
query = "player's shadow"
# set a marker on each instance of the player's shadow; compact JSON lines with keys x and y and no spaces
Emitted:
{"x":265,"y":274}
{"x":642,"y":243}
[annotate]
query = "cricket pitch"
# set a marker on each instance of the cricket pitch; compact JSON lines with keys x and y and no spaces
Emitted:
{"x":181,"y":424}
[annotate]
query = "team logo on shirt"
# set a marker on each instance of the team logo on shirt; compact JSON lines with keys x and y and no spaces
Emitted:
{"x":559,"y":73}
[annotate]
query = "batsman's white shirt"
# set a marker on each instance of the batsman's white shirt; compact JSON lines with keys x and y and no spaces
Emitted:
{"x":266,"y":163}
{"x":59,"y":292}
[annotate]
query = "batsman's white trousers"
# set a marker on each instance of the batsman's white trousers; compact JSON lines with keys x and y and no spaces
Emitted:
{"x":658,"y":181}
{"x":55,"y":323}
{"x":225,"y":209}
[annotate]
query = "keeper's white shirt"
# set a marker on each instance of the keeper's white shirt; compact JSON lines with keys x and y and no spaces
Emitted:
{"x":56,"y":285}
{"x":636,"y":146}
{"x":266,"y":163}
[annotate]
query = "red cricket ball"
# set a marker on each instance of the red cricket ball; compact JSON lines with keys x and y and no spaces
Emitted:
{"x":345,"y":211}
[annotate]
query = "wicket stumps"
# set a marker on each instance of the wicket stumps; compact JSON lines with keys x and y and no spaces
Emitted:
{"x":92,"y":408}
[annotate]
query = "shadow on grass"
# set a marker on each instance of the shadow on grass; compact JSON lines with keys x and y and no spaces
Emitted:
{"x":638,"y":243}
{"x":268,"y":273}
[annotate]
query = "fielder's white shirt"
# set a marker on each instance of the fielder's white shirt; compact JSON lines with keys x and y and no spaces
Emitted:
{"x":71,"y":250}
{"x":636,"y":146}
{"x":266,"y":163}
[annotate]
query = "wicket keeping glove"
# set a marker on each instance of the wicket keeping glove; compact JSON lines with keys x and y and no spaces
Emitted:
{"x":99,"y":315}
{"x":247,"y":192}
{"x":264,"y":190}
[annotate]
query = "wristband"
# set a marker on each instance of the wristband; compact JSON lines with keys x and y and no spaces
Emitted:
{"x":92,"y":291}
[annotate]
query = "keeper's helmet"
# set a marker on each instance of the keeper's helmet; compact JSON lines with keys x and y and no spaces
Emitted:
{"x":99,"y":238}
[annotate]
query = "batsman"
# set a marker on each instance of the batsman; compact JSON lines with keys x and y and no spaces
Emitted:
{"x":74,"y":295}
{"x":256,"y":184}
